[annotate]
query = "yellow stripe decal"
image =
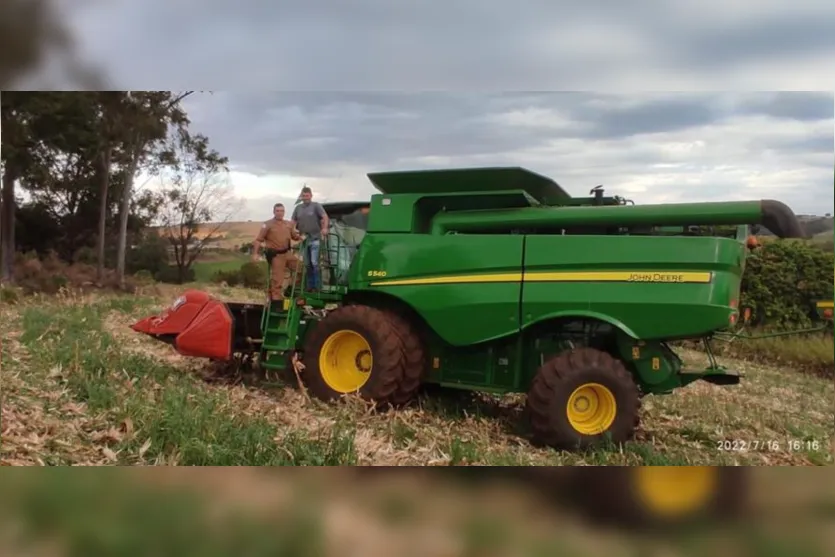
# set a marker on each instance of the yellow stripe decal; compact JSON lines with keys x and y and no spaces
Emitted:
{"x":620,"y":276}
{"x":453,"y":279}
{"x":568,"y":276}
{"x":824,"y":305}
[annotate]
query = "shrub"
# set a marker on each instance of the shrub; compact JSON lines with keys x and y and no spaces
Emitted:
{"x":253,"y":275}
{"x":807,"y":353}
{"x":8,"y":295}
{"x":171,"y":274}
{"x":250,"y":275}
{"x":150,"y":253}
{"x":782,"y":281}
{"x":144,"y":275}
{"x":85,"y":255}
{"x":231,"y":278}
{"x":49,"y":274}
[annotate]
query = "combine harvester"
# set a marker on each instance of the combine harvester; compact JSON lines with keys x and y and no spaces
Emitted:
{"x":497,"y":280}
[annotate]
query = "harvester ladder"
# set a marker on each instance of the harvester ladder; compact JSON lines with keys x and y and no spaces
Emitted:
{"x":280,"y":322}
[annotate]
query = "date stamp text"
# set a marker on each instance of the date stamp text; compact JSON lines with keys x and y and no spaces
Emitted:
{"x":769,"y":445}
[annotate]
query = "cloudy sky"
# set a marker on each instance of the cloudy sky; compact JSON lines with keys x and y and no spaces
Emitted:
{"x":651,"y":147}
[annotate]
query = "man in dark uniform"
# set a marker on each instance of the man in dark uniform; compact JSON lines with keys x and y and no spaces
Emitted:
{"x":276,"y":235}
{"x":312,"y":221}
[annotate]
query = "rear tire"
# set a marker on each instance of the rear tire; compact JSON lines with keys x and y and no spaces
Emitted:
{"x":416,"y":361}
{"x":663,"y":496}
{"x":356,"y":349}
{"x":581,"y":398}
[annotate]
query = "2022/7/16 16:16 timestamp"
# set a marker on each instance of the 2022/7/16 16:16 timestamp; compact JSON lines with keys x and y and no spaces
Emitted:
{"x":768,"y":445}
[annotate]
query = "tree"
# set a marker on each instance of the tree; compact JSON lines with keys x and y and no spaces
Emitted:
{"x":111,"y":104}
{"x":52,"y":152}
{"x":147,"y":119}
{"x":196,"y":193}
{"x":17,"y":111}
{"x":74,"y":157}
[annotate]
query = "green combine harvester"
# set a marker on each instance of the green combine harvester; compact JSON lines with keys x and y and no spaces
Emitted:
{"x":497,"y":280}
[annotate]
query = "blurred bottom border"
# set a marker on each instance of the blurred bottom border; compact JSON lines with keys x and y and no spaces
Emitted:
{"x":418,"y":511}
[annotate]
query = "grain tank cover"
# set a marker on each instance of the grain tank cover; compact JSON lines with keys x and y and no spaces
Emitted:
{"x":472,"y":181}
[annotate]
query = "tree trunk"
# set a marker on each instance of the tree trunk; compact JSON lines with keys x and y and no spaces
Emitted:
{"x":7,"y":214}
{"x":181,"y":273}
{"x":105,"y":186}
{"x":130,"y":172}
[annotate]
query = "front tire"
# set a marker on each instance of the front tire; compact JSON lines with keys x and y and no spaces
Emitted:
{"x":355,"y":349}
{"x":581,"y":398}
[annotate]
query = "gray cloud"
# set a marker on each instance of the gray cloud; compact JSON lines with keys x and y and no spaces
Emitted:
{"x":654,"y":146}
{"x":658,"y":147}
{"x":484,"y":44}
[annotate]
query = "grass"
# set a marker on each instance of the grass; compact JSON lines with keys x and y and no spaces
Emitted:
{"x":82,"y":514}
{"x":812,"y":353}
{"x":81,"y":388}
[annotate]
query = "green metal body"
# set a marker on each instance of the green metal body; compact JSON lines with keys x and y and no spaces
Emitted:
{"x":501,"y":269}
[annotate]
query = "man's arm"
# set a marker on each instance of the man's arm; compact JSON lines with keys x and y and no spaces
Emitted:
{"x":256,"y":244}
{"x":294,"y":232}
{"x":323,"y":219}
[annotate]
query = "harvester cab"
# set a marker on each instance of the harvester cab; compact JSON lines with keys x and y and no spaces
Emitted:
{"x":497,"y":280}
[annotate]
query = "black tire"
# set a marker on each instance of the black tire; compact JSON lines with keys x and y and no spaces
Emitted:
{"x":387,"y":350}
{"x":703,"y":495}
{"x":553,"y":385}
{"x":416,"y":361}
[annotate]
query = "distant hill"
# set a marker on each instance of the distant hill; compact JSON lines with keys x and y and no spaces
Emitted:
{"x":814,"y":226}
{"x":229,"y":235}
{"x":233,"y":234}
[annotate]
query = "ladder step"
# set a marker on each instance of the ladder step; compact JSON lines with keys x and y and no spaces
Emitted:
{"x":277,"y":330}
{"x":275,"y":362}
{"x":277,"y":347}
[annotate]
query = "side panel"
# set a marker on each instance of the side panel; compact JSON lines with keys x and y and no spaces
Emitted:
{"x":651,"y":286}
{"x":467,"y":288}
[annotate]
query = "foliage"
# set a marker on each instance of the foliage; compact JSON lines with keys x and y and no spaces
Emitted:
{"x":69,"y":163}
{"x":250,"y":275}
{"x":782,"y":281}
{"x":230,"y":278}
{"x":150,"y":254}
{"x":808,"y":353}
{"x":253,"y":275}
{"x":174,"y":275}
{"x":196,"y":191}
{"x":50,"y":274}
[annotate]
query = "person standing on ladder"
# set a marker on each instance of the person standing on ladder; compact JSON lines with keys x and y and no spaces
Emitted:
{"x":312,"y":221}
{"x":276,"y":235}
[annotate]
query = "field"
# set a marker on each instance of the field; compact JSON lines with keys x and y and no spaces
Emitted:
{"x":80,"y":387}
{"x":211,"y":262}
{"x":229,"y":234}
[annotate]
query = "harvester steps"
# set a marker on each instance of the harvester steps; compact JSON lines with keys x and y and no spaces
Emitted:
{"x":275,"y":361}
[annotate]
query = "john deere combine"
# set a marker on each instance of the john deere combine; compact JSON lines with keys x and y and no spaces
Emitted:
{"x":497,"y":280}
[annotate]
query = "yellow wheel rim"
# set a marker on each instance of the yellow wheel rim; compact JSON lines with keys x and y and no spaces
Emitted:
{"x":591,"y":409}
{"x":674,"y":490}
{"x":345,"y":361}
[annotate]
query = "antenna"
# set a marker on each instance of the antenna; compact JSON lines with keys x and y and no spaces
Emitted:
{"x":299,"y":198}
